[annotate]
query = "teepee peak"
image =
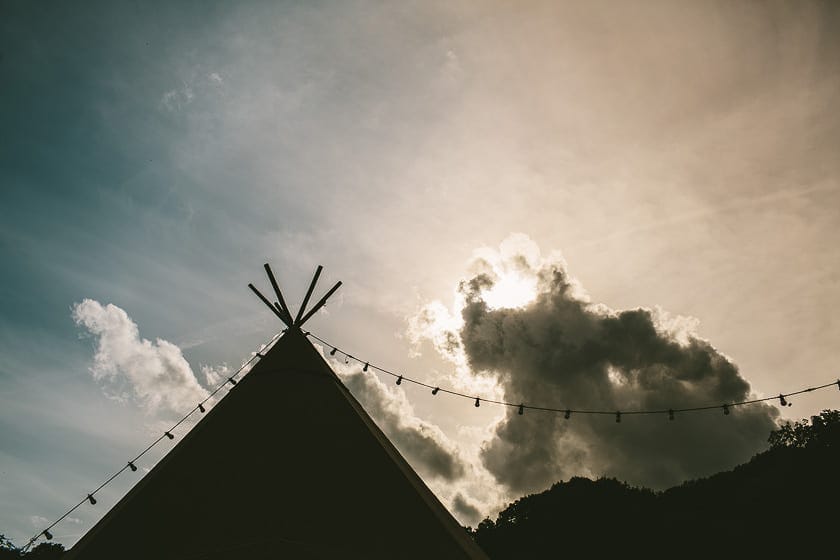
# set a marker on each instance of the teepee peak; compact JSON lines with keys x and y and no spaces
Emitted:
{"x":308,"y":474}
{"x":282,"y":310}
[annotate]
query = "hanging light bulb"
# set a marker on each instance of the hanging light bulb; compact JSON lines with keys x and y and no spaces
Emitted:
{"x":346,"y":359}
{"x":435,"y":390}
{"x":132,"y":466}
{"x":838,"y":384}
{"x":366,"y":367}
{"x":91,"y":499}
{"x":670,"y":414}
{"x":521,"y":409}
{"x":477,"y":402}
{"x":618,"y":417}
{"x":170,"y":436}
{"x":48,"y":535}
{"x":232,"y":380}
{"x":399,"y":380}
{"x":201,"y":408}
{"x":567,"y":414}
{"x":333,"y":351}
{"x":782,"y":400}
{"x":726,"y":409}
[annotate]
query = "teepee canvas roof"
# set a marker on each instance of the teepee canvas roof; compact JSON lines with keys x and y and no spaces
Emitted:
{"x":288,"y":465}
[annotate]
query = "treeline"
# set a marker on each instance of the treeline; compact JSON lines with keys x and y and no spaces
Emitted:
{"x":44,"y":551}
{"x":784,"y":501}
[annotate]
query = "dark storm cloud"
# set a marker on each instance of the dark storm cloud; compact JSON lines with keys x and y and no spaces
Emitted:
{"x":562,"y":351}
{"x":424,"y":445}
{"x":464,"y":510}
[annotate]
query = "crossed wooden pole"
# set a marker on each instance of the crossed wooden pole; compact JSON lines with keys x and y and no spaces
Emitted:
{"x":282,"y":310}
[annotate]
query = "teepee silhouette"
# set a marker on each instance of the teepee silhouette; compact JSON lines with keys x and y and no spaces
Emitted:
{"x":288,"y":465}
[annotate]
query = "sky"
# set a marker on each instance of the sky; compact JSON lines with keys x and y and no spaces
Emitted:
{"x":619,"y":204}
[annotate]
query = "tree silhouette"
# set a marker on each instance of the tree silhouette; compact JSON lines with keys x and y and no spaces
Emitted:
{"x":44,"y":551}
{"x":7,"y":549}
{"x":824,"y":430}
{"x":783,"y":501}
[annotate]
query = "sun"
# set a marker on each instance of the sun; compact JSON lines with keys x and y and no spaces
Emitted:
{"x":511,"y":290}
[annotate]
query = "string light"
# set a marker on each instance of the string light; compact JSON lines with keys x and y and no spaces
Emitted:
{"x":520,"y":409}
{"x":89,"y":498}
{"x":568,"y":412}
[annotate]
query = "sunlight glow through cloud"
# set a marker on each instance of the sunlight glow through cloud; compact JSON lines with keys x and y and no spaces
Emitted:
{"x":512,"y":290}
{"x":682,"y":155}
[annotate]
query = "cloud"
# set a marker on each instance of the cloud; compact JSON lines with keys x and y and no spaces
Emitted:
{"x":434,"y":323}
{"x":424,"y":445}
{"x":153,"y":374}
{"x":463,"y":509}
{"x":176,"y":99}
{"x":196,"y":84}
{"x":453,"y":471}
{"x":38,"y":520}
{"x":562,"y":350}
{"x":213,"y":376}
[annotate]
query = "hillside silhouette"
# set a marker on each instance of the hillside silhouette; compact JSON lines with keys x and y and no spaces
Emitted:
{"x":783,"y":501}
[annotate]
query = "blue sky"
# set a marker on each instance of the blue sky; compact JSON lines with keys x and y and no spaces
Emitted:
{"x":679,"y":155}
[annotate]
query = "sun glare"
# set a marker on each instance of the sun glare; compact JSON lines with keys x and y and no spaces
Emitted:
{"x":512,"y":290}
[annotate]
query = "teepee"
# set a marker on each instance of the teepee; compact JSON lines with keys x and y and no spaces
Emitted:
{"x":288,"y":465}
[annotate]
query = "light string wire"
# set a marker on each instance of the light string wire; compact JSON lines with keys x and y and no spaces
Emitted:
{"x":403,"y":379}
{"x":782,"y":397}
{"x":167,"y":434}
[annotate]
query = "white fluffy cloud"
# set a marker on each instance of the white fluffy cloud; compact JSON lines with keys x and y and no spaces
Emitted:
{"x":153,"y":374}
